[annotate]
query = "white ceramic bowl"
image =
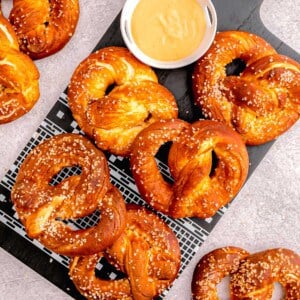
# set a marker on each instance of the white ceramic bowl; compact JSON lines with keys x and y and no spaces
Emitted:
{"x":125,"y":26}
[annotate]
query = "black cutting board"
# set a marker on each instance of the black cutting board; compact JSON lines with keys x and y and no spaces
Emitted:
{"x":232,"y":15}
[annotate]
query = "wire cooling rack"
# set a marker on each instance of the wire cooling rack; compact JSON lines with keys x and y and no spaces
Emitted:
{"x":190,"y":232}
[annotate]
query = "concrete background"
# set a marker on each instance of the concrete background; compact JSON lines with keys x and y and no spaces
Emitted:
{"x":264,"y":215}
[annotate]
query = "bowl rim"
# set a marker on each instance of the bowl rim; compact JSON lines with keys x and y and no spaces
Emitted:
{"x":211,"y":29}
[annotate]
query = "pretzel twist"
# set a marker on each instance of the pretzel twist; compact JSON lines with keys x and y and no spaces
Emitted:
{"x":44,"y":27}
{"x":113,"y":120}
{"x":42,"y":207}
{"x":199,"y":188}
{"x":19,"y":86}
{"x":147,"y":252}
{"x":251,"y":275}
{"x":263,"y":101}
{"x":256,"y":274}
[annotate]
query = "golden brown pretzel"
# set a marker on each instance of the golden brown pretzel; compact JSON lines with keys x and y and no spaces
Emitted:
{"x":42,"y":207}
{"x":8,"y":36}
{"x":136,"y":100}
{"x":44,"y":27}
{"x":251,"y":275}
{"x":263,"y":101}
{"x":257,"y":273}
{"x":147,"y":252}
{"x":212,"y":268}
{"x":199,"y":189}
{"x":19,"y":86}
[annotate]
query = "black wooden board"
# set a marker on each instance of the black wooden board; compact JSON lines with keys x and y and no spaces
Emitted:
{"x":232,"y":14}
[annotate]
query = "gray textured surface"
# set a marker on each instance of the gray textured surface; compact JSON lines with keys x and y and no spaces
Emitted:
{"x":264,"y":215}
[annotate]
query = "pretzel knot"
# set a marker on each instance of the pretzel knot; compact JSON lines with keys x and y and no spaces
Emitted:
{"x":43,"y":207}
{"x":261,"y":102}
{"x":19,"y":86}
{"x":208,"y":162}
{"x":147,"y":252}
{"x":44,"y":27}
{"x":252,"y":275}
{"x":114,"y":118}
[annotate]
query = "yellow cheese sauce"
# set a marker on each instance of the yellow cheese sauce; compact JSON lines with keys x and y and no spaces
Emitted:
{"x":168,"y":30}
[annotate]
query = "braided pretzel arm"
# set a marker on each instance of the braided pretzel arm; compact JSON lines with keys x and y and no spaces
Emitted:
{"x":263,"y":101}
{"x":212,"y":268}
{"x":42,"y":207}
{"x":44,"y":27}
{"x":256,"y":274}
{"x":198,"y":190}
{"x":113,"y":120}
{"x":147,"y":252}
{"x":19,"y":87}
{"x":148,"y":178}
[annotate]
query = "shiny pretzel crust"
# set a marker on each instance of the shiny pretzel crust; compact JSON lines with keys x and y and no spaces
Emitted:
{"x":147,"y":252}
{"x":43,"y":27}
{"x":212,"y":268}
{"x":257,"y":273}
{"x":263,"y":101}
{"x":199,"y":188}
{"x":42,"y":207}
{"x":19,"y":86}
{"x":136,"y":100}
{"x":252,"y":276}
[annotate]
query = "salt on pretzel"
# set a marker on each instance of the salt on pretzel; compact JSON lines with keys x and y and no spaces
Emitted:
{"x":19,"y":86}
{"x":212,"y":268}
{"x":200,"y":188}
{"x":251,"y":275}
{"x":44,"y":27}
{"x":42,"y":207}
{"x":113,"y":119}
{"x":147,"y":252}
{"x":257,"y":273}
{"x":263,"y":101}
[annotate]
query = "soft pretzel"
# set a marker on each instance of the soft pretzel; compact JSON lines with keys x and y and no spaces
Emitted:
{"x":113,"y":120}
{"x":263,"y":101}
{"x":19,"y":86}
{"x":42,"y":207}
{"x":199,"y":188}
{"x":212,"y":268}
{"x":251,"y":275}
{"x":257,"y":273}
{"x":147,"y":252}
{"x":44,"y":27}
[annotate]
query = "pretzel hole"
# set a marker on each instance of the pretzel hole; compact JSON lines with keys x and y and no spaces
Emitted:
{"x":7,"y":8}
{"x":278,"y":292}
{"x":236,"y":67}
{"x":46,"y":24}
{"x":110,"y":88}
{"x":223,"y":288}
{"x":65,"y":173}
{"x":148,"y":117}
{"x":107,"y":271}
{"x":86,"y":222}
{"x":162,"y":161}
{"x":214,"y":164}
